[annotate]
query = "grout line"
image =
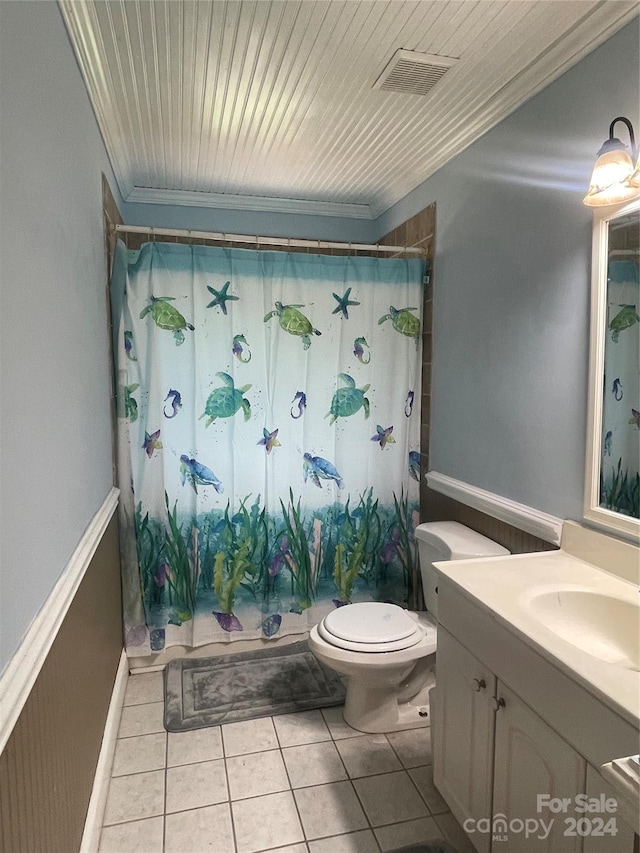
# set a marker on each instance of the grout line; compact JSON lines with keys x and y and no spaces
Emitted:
{"x":293,"y":795}
{"x":164,"y":802}
{"x":229,"y":800}
{"x":132,"y":820}
{"x":206,"y":761}
{"x":415,"y":785}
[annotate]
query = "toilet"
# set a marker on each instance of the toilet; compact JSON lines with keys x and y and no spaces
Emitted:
{"x":388,"y":653}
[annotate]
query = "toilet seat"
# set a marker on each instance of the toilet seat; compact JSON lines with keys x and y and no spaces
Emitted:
{"x":370,"y":627}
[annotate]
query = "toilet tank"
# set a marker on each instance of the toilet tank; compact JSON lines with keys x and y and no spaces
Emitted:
{"x":448,"y":540}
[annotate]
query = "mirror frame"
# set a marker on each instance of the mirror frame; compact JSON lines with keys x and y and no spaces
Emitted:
{"x":595,"y":514}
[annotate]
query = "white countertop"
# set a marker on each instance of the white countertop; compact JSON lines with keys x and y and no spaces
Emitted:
{"x":507,"y":586}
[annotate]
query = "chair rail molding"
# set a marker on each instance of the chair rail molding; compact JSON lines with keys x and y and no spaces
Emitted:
{"x":21,"y":672}
{"x":532,"y":521}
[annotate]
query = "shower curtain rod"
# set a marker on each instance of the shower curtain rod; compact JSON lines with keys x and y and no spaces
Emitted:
{"x":268,"y":241}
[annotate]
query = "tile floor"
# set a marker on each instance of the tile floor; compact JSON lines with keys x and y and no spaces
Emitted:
{"x":300,"y":783}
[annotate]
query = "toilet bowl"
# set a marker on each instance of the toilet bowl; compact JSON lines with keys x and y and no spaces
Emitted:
{"x":387,"y":653}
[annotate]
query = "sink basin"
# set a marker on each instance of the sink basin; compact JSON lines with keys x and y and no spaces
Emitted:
{"x":604,"y":626}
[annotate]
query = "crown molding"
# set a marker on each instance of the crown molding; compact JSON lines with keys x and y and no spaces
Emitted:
{"x":264,"y":204}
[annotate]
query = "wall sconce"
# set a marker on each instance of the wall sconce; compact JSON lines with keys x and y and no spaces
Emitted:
{"x":615,"y":179}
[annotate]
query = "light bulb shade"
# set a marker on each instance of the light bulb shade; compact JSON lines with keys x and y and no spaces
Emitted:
{"x":634,"y":180}
{"x":610,"y":179}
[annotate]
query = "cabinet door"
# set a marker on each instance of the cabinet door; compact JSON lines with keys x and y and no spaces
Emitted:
{"x":463,"y":721}
{"x":598,"y":839}
{"x":531,"y":759}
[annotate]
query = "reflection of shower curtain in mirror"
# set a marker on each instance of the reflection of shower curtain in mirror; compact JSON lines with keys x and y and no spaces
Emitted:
{"x":620,"y":481}
{"x":268,"y":438}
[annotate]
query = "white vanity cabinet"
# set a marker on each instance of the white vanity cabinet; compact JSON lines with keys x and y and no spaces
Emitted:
{"x":462,"y":718}
{"x":492,"y":754}
{"x":601,"y":841}
{"x":507,"y":726}
{"x":530,"y":758}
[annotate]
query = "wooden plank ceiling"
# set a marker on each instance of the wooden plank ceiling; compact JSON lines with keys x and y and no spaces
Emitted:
{"x":251,"y":103}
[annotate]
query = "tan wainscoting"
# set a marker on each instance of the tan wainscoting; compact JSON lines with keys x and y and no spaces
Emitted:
{"x":48,"y":765}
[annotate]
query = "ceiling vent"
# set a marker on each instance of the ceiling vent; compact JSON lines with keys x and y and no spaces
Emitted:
{"x":413,"y":73}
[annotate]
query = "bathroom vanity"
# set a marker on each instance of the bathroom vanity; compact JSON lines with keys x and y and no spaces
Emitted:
{"x":537,"y":687}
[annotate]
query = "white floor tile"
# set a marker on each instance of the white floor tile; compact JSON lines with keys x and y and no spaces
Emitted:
{"x":142,"y":719}
{"x":135,"y":797}
{"x":143,"y":689}
{"x":411,"y":832}
{"x":390,"y":798}
{"x":303,"y":727}
{"x":265,"y":822}
{"x":291,"y":848}
{"x":329,"y":810}
{"x":256,"y":774}
{"x":249,"y":736}
{"x":337,"y":726}
{"x":423,"y":779}
{"x":354,"y":842}
{"x":368,"y":755}
{"x":413,"y":746}
{"x":139,"y":836}
{"x":189,"y":747}
{"x":313,"y":764}
{"x":139,"y":754}
{"x":454,"y":833}
{"x":195,"y":785}
{"x":200,"y":830}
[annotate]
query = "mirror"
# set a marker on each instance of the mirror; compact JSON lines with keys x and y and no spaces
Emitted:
{"x":612,"y":481}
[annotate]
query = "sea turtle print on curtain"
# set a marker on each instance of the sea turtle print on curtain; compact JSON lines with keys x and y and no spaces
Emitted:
{"x":268,"y":448}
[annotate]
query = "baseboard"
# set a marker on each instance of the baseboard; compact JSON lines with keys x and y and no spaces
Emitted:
{"x":98,"y":801}
{"x":532,"y":521}
{"x":21,"y":672}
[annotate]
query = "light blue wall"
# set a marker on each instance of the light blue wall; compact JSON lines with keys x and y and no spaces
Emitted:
{"x":303,"y":226}
{"x":54,"y":398}
{"x":512,"y":278}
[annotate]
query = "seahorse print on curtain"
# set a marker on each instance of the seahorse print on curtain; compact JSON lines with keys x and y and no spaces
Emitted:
{"x":268,"y":445}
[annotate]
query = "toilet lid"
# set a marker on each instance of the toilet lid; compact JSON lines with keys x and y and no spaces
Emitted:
{"x":372,"y":623}
{"x":351,"y":646}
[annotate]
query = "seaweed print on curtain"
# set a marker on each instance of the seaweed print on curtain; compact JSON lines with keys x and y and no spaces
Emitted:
{"x":268,"y":439}
{"x":620,"y":480}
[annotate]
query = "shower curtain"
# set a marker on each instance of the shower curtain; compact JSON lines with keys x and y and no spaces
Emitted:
{"x":268,"y":438}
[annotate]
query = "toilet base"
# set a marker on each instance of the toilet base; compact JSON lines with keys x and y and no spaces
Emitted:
{"x":378,"y":710}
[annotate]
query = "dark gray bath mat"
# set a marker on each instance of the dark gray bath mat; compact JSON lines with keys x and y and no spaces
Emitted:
{"x":242,"y":686}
